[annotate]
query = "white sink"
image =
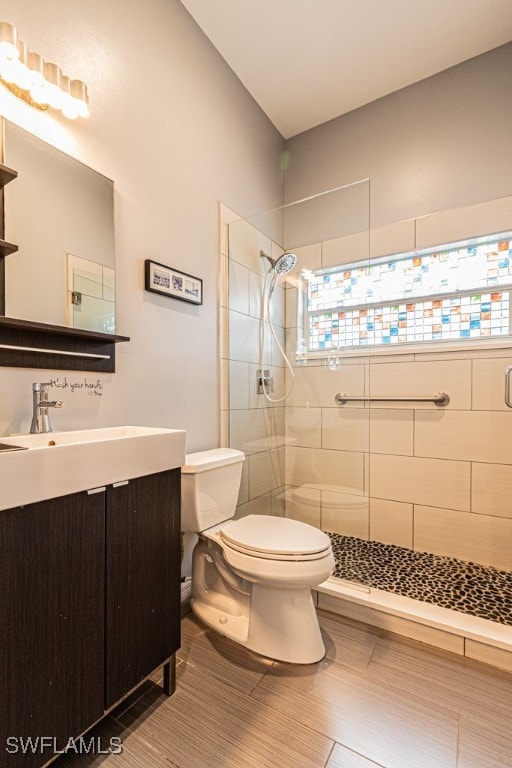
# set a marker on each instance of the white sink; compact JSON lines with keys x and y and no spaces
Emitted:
{"x":59,"y":463}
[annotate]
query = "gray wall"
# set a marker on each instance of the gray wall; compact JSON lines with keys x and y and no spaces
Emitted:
{"x":176,"y":131}
{"x":441,"y":143}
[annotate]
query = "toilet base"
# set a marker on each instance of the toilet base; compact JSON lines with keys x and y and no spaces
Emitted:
{"x":281,"y":624}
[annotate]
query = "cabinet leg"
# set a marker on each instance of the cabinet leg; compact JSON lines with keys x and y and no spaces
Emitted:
{"x":169,"y":684}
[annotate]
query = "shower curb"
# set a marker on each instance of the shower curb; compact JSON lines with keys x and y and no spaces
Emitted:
{"x":479,"y":639}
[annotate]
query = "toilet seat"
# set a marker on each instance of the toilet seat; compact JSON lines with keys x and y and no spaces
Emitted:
{"x":275,"y":538}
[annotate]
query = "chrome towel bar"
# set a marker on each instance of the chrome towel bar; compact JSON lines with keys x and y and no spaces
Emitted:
{"x":440,"y":398}
{"x":54,"y":352}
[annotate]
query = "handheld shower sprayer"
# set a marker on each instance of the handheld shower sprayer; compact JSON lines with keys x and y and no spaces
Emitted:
{"x":281,"y":265}
{"x":278,"y":267}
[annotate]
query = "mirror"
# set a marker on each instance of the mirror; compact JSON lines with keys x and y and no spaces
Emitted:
{"x":60,"y":213}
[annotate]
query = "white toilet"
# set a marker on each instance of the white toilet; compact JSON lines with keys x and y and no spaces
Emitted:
{"x":252,"y":578}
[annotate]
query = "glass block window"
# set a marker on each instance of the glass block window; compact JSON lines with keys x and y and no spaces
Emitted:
{"x":452,"y":294}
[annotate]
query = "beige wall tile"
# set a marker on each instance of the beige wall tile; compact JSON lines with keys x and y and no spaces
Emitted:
{"x":391,"y":522}
{"x":422,"y":378}
{"x":346,"y":429}
{"x":239,"y":384}
{"x":244,"y":338}
{"x":345,"y":513}
{"x":378,"y":357}
{"x":304,"y":427}
{"x":243,"y":494}
{"x":278,"y":428}
{"x":395,"y":624}
{"x":262,"y":505}
{"x":223,"y":329}
{"x":278,"y":307}
{"x":279,"y":502}
{"x":312,"y":465}
{"x":277,"y":303}
{"x":461,"y":223}
{"x":303,"y":503}
{"x":266,"y":472}
{"x":276,"y":355}
{"x":291,"y":308}
{"x":420,"y":481}
{"x":391,"y":431}
{"x":256,"y":283}
{"x":472,"y":352}
{"x":467,"y":435}
{"x":309,"y":256}
{"x":479,"y":538}
{"x":223,"y":280}
{"x":239,"y":287}
{"x":491,"y":489}
{"x":393,"y":238}
{"x":316,"y":386}
{"x":245,"y":244}
{"x":489,"y":384}
{"x":497,"y":657}
{"x":224,"y":428}
{"x":224,"y":384}
{"x":250,"y":431}
{"x":343,"y":250}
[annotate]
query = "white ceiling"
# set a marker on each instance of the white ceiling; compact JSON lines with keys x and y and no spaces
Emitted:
{"x":307,"y":61}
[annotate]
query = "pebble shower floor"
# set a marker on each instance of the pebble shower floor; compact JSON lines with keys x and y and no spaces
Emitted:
{"x":467,"y":587}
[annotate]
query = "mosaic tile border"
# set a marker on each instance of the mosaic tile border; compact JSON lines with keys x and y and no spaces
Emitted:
{"x":462,"y":586}
{"x":412,"y":298}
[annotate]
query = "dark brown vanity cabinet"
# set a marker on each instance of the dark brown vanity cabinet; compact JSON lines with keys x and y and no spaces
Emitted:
{"x":89,"y":607}
{"x":52,"y":576}
{"x":143,"y":579}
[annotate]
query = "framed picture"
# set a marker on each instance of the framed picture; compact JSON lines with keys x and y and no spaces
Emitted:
{"x":171,"y":282}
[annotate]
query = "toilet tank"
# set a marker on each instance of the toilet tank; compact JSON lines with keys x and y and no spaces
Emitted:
{"x":210,"y":481}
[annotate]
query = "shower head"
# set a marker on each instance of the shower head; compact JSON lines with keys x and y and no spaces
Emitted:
{"x":283,"y":264}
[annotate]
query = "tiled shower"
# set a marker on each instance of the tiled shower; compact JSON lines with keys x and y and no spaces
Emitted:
{"x":413,"y":486}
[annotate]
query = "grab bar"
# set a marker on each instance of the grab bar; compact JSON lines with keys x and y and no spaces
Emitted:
{"x":440,"y":398}
{"x":507,"y":386}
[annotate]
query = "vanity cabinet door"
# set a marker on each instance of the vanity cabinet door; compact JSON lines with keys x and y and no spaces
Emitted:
{"x":52,"y":631}
{"x":143,"y":579}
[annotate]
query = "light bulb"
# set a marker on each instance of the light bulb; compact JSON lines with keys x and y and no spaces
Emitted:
{"x":21,"y":71}
{"x":35,"y":66}
{"x":8,"y":40}
{"x":53,"y":92}
{"x":69,"y":104}
{"x":79,"y":93}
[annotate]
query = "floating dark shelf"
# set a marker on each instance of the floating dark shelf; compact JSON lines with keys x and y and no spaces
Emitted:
{"x":6,"y":174}
{"x":39,"y":345}
{"x":60,"y":330}
{"x":7,"y":248}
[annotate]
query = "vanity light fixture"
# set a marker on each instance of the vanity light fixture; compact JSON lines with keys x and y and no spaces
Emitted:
{"x":37,"y":82}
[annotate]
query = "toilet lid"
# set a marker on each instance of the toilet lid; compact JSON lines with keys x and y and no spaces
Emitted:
{"x":275,"y":536}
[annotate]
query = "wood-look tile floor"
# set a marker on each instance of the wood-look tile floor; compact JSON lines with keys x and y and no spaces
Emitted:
{"x":375,"y":701}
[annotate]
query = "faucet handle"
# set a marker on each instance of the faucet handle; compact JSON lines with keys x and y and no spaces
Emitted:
{"x":41,"y":386}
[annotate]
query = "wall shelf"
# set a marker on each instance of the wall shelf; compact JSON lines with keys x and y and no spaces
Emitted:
{"x":40,"y":345}
{"x":6,"y":174}
{"x":7,"y":248}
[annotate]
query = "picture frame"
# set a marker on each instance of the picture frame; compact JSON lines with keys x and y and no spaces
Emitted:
{"x":167,"y":281}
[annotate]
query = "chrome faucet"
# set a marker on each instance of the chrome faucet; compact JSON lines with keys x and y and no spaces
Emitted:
{"x":40,"y":417}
